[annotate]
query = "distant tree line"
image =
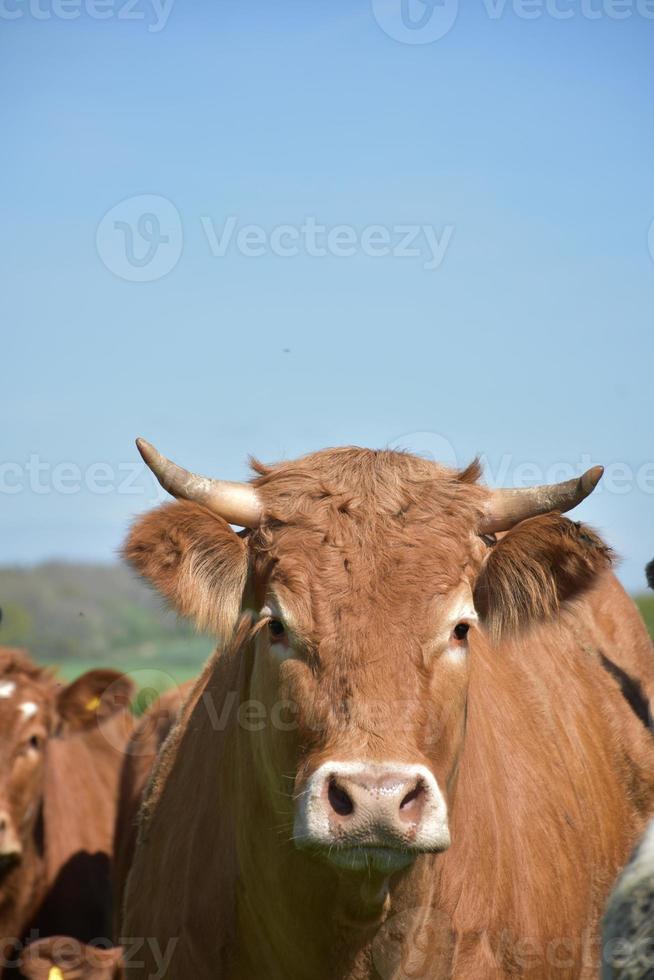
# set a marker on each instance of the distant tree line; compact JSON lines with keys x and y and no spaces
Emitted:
{"x":62,"y":611}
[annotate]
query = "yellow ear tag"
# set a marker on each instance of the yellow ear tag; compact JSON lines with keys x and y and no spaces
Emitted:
{"x":90,"y":706}
{"x":55,"y":973}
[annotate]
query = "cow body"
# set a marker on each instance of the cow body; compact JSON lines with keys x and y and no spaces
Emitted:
{"x":64,"y":750}
{"x":140,"y":754}
{"x":518,"y":742}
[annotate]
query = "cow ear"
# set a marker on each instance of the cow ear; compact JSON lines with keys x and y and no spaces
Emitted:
{"x":533,"y":570}
{"x":194,"y":559}
{"x":94,"y":696}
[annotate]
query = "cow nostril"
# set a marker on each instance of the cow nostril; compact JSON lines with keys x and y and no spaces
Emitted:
{"x":339,"y":799}
{"x":414,"y":798}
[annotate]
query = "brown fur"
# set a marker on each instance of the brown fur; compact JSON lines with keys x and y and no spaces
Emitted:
{"x":140,"y":754}
{"x":532,"y":571}
{"x":200,"y":565}
{"x":548,"y":774}
{"x":58,"y":782}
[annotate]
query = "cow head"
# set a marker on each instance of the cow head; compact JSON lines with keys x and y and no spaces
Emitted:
{"x":33,"y":709}
{"x":372,"y":576}
{"x":26,"y":721}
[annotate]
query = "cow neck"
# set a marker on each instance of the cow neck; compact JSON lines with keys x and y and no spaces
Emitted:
{"x":21,"y":890}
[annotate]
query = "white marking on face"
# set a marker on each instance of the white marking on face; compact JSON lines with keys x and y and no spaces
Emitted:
{"x":28,"y":709}
{"x":456,"y":656}
{"x":7,"y":688}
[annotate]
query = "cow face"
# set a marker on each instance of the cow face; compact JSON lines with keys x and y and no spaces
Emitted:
{"x":367,"y":574}
{"x":34,"y":709}
{"x":364,"y":675}
{"x":26,"y":720}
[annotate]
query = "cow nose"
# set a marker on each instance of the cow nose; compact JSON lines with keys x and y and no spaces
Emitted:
{"x":371,"y":814}
{"x":393,"y":801}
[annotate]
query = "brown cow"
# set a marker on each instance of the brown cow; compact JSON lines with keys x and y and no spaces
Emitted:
{"x":411,"y":759}
{"x":60,"y":755}
{"x":140,"y":754}
{"x":63,"y":958}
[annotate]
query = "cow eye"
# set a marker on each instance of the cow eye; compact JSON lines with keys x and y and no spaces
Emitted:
{"x":461,"y":631}
{"x":276,"y":629}
{"x":34,"y":742}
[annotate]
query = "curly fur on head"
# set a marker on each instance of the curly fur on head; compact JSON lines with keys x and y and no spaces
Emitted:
{"x":14,"y":660}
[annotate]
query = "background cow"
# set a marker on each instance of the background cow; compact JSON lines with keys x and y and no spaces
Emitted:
{"x":61,"y":749}
{"x":140,"y":754}
{"x":414,"y":756}
{"x":628,"y":935}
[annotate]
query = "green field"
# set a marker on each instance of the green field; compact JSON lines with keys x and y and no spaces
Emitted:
{"x":646,"y":606}
{"x":152,"y":675}
{"x":73,"y":617}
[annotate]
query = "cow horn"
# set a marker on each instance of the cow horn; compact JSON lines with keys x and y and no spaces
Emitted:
{"x":508,"y":507}
{"x":237,"y":503}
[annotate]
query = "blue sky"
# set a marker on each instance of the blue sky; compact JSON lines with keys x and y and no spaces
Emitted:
{"x":524,"y":146}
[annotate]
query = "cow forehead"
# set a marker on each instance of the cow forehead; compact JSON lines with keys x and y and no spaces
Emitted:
{"x":21,"y":699}
{"x":352,"y":534}
{"x":387,"y":572}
